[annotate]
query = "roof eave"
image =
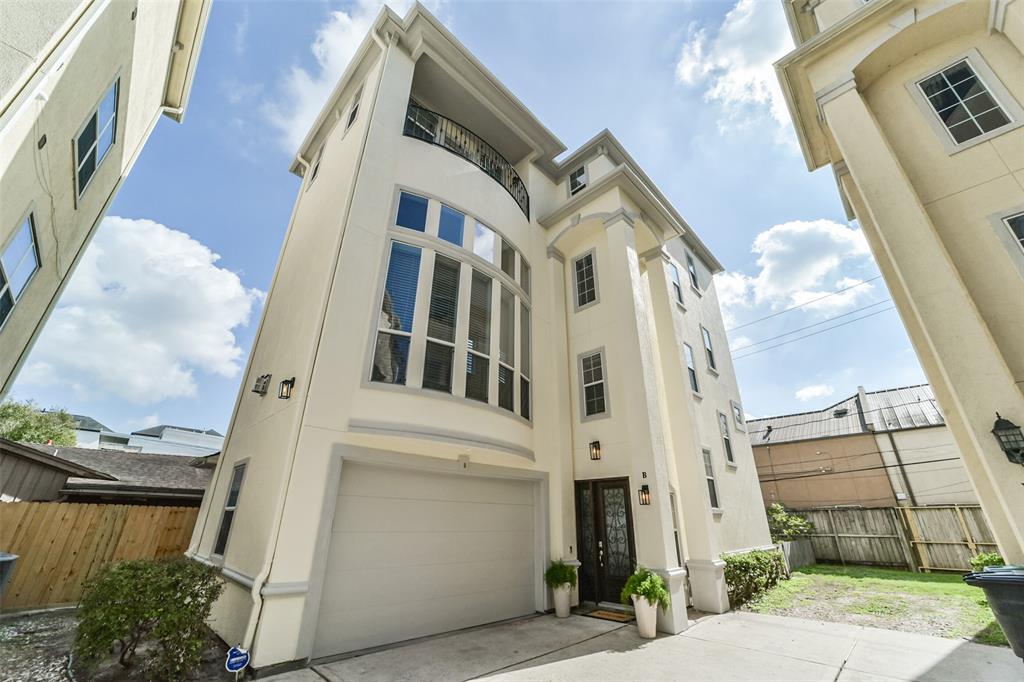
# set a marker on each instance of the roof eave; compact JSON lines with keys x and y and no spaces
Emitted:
{"x":177,"y":106}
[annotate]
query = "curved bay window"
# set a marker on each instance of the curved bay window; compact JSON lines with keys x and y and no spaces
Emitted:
{"x":440,"y":270}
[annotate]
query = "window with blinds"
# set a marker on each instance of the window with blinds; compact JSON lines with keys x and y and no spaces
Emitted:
{"x":391,"y":354}
{"x":525,"y":371}
{"x":506,"y":350}
{"x":478,"y":343}
{"x":723,"y":426}
{"x":440,"y":349}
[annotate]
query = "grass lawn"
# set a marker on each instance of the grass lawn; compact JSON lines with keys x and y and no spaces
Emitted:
{"x":926,"y":603}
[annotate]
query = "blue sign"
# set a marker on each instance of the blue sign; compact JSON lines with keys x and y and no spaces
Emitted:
{"x":237,"y":659}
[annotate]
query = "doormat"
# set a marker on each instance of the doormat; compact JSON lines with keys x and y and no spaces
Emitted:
{"x":617,"y":616}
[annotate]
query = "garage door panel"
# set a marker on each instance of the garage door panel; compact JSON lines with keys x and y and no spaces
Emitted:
{"x":389,"y":515}
{"x":376,"y":550}
{"x":413,"y":484}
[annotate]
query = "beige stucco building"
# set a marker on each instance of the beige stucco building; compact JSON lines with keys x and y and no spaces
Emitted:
{"x":474,"y":358}
{"x":82,"y":85}
{"x":916,"y":105}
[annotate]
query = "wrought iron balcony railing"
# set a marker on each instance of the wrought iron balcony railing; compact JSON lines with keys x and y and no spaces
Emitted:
{"x":434,"y":128}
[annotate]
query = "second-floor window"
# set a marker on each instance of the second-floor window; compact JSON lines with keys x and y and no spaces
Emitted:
{"x":708,"y":348}
{"x":677,"y":287}
{"x":691,"y":369}
{"x":18,"y":262}
{"x":962,"y":102}
{"x":586,"y":280}
{"x":354,"y":111}
{"x":723,"y":426}
{"x":230,"y":507}
{"x":592,"y":382}
{"x":577,"y":180}
{"x":1015,"y":224}
{"x":709,"y":474}
{"x":691,"y":269}
{"x":96,"y":138}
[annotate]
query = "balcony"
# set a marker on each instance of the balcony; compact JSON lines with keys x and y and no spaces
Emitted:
{"x":434,"y":128}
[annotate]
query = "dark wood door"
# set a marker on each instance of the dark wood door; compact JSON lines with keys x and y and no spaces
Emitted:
{"x":604,"y":536}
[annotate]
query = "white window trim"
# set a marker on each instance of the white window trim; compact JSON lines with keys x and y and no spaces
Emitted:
{"x":1000,"y":223}
{"x":694,"y":275}
{"x":709,"y":349}
{"x":352,"y":115}
{"x":675,"y":282}
{"x":738,"y":424}
{"x":713,"y":477}
{"x":584,"y":417}
{"x":995,"y":88}
{"x":94,"y":111}
{"x":686,"y":366}
{"x":583,"y":185}
{"x":244,"y":465}
{"x":30,"y":217}
{"x":723,"y":420}
{"x":575,"y":284}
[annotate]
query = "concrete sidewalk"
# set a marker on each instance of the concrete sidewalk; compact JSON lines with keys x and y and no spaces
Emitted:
{"x":732,"y":646}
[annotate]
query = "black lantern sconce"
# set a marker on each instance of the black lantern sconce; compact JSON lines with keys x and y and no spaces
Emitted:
{"x":284,"y":392}
{"x":595,"y":450}
{"x":645,"y":494}
{"x":1010,"y":438}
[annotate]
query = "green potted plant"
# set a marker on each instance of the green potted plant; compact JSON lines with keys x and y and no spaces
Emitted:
{"x":561,"y":578}
{"x":647,"y":592}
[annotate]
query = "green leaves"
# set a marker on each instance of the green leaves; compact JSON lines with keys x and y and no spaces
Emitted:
{"x":979,"y":562}
{"x":644,"y":583}
{"x":129,"y":602}
{"x":560,"y":573}
{"x":748,"y":575}
{"x":786,"y":526}
{"x":25,"y":422}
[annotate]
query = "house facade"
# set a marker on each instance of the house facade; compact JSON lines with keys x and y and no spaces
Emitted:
{"x":917,"y":107}
{"x":163,"y":439}
{"x":82,"y":87}
{"x":873,"y":449}
{"x":474,"y":358}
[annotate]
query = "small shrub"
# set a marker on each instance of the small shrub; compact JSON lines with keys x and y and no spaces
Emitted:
{"x":559,"y":573}
{"x":978,"y":563}
{"x":748,"y":575}
{"x":133,"y":601}
{"x":644,"y":583}
{"x":786,"y":526}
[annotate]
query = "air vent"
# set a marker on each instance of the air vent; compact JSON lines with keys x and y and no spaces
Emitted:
{"x":840,"y":412}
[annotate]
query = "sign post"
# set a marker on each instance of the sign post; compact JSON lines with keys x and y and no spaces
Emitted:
{"x":236,"y":660}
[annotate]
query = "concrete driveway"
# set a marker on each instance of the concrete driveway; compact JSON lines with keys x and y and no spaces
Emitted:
{"x":732,"y":646}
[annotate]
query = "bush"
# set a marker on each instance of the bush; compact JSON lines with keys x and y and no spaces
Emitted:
{"x":133,"y":601}
{"x":643,"y":583}
{"x":978,"y":563}
{"x":748,"y":575}
{"x":786,"y":526}
{"x":559,"y":573}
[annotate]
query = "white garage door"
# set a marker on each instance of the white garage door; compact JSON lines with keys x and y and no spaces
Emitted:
{"x":415,"y":553}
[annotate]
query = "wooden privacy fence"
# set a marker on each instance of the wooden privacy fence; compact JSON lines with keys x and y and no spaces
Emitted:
{"x":940,"y":538}
{"x":61,"y":545}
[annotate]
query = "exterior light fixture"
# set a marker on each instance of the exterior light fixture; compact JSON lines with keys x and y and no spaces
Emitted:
{"x":1010,"y":438}
{"x":645,"y":494}
{"x":595,"y":449}
{"x":262,"y":384}
{"x":284,"y":392}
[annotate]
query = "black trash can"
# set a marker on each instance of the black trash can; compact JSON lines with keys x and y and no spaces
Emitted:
{"x":7,"y":561}
{"x":1004,"y":589}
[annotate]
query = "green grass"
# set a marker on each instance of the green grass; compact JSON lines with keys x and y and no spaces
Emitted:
{"x":931,"y":603}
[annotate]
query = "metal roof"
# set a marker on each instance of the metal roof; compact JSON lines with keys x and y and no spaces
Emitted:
{"x":892,"y":409}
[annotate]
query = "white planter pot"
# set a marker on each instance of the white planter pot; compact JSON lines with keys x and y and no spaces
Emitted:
{"x":646,"y":617}
{"x":562,"y":594}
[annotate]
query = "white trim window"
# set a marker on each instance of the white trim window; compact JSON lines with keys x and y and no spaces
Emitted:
{"x":578,"y":180}
{"x":452,"y":225}
{"x":230,"y":507}
{"x":739,"y":421}
{"x":439,"y":357}
{"x":709,"y":474}
{"x":95,"y":139}
{"x":1015,"y":224}
{"x":708,"y":348}
{"x":677,"y":285}
{"x":315,"y":168}
{"x":354,"y":111}
{"x":506,"y":350}
{"x":478,"y":344}
{"x":391,"y":353}
{"x":18,"y":263}
{"x":592,"y":385}
{"x":691,"y":368}
{"x":691,"y":270}
{"x":723,"y":426}
{"x":964,"y":104}
{"x":586,"y":280}
{"x":525,"y":369}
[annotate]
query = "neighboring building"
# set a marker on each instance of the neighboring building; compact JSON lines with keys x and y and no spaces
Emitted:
{"x":83,"y":84}
{"x":163,"y":439}
{"x":917,"y":107}
{"x":873,"y":449}
{"x":30,"y":472}
{"x":473,"y":359}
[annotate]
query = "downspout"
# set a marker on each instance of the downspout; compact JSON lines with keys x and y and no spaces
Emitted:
{"x":261,"y":578}
{"x":903,"y":471}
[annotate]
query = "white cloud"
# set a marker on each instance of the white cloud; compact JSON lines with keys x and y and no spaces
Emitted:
{"x":146,"y":307}
{"x":814,"y":391}
{"x":302,"y":93}
{"x":242,"y":31}
{"x":734,"y":63}
{"x":800,"y":261}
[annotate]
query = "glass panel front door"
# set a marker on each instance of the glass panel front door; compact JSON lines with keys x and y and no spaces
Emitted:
{"x":605,"y":538}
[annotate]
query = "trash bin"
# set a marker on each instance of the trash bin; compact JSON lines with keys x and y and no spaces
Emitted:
{"x":1004,"y":589}
{"x":6,"y":569}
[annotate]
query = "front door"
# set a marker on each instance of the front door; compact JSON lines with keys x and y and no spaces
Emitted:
{"x":604,"y":536}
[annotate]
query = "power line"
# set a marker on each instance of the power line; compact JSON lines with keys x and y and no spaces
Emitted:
{"x":806,"y":303}
{"x":853,"y":456}
{"x":825,"y":419}
{"x":816,"y":324}
{"x":850,"y":471}
{"x":821,"y":331}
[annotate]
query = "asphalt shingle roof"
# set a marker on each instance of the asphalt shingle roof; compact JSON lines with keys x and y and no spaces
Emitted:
{"x":134,"y":469}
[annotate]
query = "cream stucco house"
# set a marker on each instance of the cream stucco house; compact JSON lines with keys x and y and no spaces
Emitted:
{"x":474,"y":358}
{"x":82,"y":84}
{"x":917,"y":107}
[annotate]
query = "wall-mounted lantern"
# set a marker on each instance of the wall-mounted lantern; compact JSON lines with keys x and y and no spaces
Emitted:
{"x":595,"y":449}
{"x":1010,"y":438}
{"x":284,"y":392}
{"x":645,"y":494}
{"x":262,"y":384}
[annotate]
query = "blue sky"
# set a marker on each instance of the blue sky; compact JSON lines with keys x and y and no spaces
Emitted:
{"x":159,"y":318}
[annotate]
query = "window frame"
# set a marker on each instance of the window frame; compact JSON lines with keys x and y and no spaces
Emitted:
{"x":582,"y":386}
{"x":592,"y":253}
{"x":485,"y":354}
{"x":453,"y":345}
{"x":996,"y":90}
{"x":676,"y":281}
{"x":583,"y":185}
{"x":1019,"y":241}
{"x":353,"y":111}
{"x":242,"y":464}
{"x":314,"y":168}
{"x":377,"y":330}
{"x":710,"y":476}
{"x":709,"y":349}
{"x":691,"y":368}
{"x":727,"y":448}
{"x":6,"y":287}
{"x":76,"y":166}
{"x":692,"y":273}
{"x":739,"y":421}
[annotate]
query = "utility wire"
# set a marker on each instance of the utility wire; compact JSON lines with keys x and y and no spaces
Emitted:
{"x":836,"y":457}
{"x":850,"y":471}
{"x":820,"y":331}
{"x":806,"y":303}
{"x":816,"y":324}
